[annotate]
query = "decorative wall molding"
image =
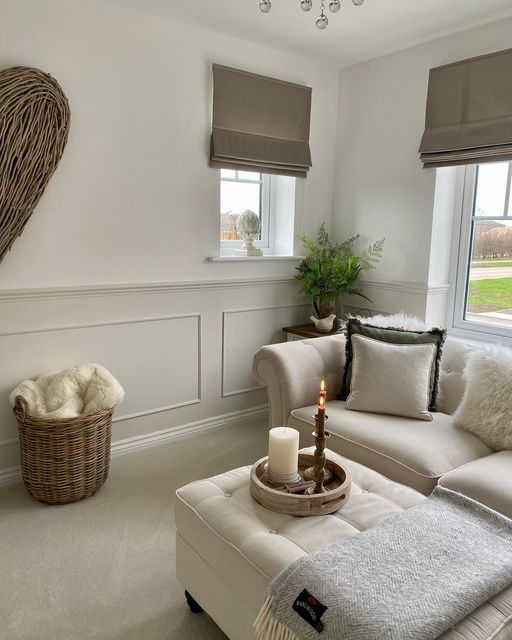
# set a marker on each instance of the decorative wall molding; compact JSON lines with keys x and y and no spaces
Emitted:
{"x":144,"y":412}
{"x":415,"y":288}
{"x":81,"y":320}
{"x":11,"y":475}
{"x":177,"y":405}
{"x":15,"y":295}
{"x":438,"y":289}
{"x":414,"y":298}
{"x":93,"y":325}
{"x":236,"y":392}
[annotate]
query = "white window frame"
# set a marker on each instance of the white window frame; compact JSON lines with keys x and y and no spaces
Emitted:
{"x":265,"y":208}
{"x":462,"y":250}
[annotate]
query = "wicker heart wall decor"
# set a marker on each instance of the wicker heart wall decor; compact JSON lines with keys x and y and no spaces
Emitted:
{"x":34,"y":127}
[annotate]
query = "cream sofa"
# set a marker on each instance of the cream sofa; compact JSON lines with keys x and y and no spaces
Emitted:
{"x":412,"y":452}
{"x":229,"y":547}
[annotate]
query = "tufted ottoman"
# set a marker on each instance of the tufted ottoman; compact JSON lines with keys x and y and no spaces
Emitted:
{"x":229,"y":547}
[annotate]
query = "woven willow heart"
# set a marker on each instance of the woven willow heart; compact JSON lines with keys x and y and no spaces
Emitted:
{"x":34,"y":127}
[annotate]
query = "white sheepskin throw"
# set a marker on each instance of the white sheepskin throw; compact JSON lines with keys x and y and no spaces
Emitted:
{"x":486,"y":408}
{"x":81,"y":390}
{"x":396,"y":320}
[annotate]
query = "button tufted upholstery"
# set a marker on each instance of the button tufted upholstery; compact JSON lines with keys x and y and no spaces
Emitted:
{"x":273,"y":540}
{"x":229,"y":547}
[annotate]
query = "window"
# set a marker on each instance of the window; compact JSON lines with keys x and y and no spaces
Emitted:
{"x":271,"y":197}
{"x":483,"y":297}
{"x":239,"y":191}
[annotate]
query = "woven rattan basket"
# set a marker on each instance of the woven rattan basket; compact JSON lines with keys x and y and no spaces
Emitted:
{"x":63,"y":461}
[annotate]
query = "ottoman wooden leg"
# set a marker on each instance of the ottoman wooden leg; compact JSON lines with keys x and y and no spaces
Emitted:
{"x":194,"y":606}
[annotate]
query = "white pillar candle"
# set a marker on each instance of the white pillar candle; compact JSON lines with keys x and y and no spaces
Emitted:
{"x":283,"y":451}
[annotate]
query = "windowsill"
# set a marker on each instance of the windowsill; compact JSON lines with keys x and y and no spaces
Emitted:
{"x":264,"y":258}
{"x":481,"y":332}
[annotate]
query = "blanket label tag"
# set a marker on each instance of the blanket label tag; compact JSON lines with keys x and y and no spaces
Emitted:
{"x":308,"y":608}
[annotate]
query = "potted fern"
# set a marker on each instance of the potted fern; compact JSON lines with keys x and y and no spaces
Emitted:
{"x":331,"y":270}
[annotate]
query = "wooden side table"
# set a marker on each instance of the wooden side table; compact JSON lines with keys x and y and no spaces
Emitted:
{"x":303,"y":331}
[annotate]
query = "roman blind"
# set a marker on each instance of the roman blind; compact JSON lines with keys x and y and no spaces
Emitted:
{"x":259,"y":123}
{"x":469,"y":112}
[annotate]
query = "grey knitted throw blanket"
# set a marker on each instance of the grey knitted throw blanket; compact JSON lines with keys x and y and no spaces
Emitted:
{"x":412,"y":576}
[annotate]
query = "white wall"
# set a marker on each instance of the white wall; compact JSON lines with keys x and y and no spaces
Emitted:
{"x":134,"y":202}
{"x":381,"y":188}
{"x":133,"y":199}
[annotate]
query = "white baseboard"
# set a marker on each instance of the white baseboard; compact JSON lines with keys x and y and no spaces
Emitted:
{"x":11,"y":475}
{"x":189,"y":429}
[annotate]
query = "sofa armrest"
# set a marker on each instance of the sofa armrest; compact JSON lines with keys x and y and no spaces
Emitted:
{"x":292,"y":371}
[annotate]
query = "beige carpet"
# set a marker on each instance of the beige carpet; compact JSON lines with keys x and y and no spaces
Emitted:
{"x":104,"y":568}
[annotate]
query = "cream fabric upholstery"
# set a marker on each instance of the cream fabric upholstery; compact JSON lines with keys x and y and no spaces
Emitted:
{"x":391,"y":378}
{"x":414,"y":452}
{"x":488,"y":480}
{"x":291,"y":371}
{"x":229,"y":547}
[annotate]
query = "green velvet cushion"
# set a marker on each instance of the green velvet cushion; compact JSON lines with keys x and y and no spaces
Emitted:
{"x":395,"y":336}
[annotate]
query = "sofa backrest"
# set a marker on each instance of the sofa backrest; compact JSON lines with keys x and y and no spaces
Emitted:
{"x":291,"y":372}
{"x":451,"y":383}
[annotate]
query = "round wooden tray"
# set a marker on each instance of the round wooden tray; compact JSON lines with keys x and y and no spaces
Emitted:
{"x":297,"y":504}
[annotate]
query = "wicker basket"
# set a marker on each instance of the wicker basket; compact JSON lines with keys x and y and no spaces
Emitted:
{"x":63,"y":461}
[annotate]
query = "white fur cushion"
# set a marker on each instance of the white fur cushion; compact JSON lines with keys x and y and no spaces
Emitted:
{"x":81,"y":390}
{"x":486,"y":408}
{"x":397,"y":320}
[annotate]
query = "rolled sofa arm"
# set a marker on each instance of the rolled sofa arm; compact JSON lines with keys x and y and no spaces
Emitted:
{"x":292,"y":371}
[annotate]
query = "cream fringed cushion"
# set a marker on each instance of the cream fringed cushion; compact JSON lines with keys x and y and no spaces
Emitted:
{"x":486,"y":408}
{"x":391,"y":378}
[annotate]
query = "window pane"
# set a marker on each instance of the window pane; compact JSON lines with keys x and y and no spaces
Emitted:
{"x":249,"y":175}
{"x":490,"y":277}
{"x":239,"y":196}
{"x":491,"y":189}
{"x":228,"y":173}
{"x":235,"y":198}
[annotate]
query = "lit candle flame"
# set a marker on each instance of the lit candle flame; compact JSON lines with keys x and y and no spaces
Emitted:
{"x":322,"y":385}
{"x":322,"y":402}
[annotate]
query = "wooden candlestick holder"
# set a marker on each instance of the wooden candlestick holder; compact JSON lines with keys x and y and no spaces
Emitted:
{"x":318,"y":472}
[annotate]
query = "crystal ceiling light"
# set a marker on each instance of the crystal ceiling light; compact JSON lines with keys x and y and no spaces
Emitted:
{"x":306,"y":5}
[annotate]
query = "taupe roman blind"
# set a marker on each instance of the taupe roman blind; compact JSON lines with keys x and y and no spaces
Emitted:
{"x":259,"y":124}
{"x":469,"y":112}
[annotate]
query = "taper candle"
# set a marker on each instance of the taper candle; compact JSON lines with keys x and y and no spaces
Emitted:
{"x":320,"y":418}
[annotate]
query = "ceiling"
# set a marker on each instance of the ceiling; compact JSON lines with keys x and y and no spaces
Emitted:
{"x":354,"y":34}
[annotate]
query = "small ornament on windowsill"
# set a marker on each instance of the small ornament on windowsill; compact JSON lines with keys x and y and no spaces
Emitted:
{"x":249,"y":227}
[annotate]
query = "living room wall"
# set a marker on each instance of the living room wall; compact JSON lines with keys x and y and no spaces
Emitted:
{"x":381,"y":189}
{"x":112,"y":266}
